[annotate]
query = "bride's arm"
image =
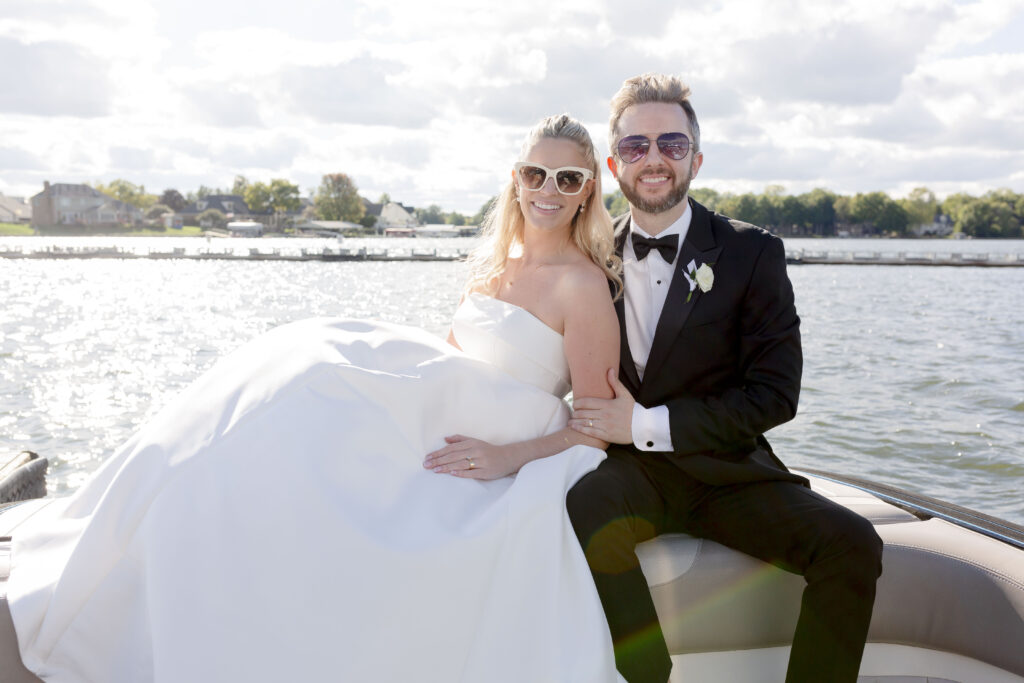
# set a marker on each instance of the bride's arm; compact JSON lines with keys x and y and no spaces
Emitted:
{"x":591,"y":335}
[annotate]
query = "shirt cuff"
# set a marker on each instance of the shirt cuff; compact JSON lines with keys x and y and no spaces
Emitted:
{"x":651,"y":431}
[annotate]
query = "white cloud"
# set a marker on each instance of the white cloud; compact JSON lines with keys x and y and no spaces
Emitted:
{"x":429,"y":101}
{"x":17,"y":159}
{"x":223,"y":105}
{"x":52,"y":79}
{"x":132,"y":158}
{"x":358,"y":91}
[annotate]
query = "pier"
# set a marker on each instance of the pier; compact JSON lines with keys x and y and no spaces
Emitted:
{"x":793,"y":257}
{"x":251,"y":254}
{"x":902,"y":258}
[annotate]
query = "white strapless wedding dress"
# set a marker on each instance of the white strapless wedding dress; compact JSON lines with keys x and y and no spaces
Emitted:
{"x":275,"y":523}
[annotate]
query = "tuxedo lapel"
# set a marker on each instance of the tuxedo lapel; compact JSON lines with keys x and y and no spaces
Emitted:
{"x":629,"y":375}
{"x":699,"y":247}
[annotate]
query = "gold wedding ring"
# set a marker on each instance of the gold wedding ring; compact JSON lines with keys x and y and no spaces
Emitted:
{"x":472,"y":465}
{"x":590,"y":423}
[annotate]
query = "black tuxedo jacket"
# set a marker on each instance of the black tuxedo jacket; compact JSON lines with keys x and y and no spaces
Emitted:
{"x":727,"y":362}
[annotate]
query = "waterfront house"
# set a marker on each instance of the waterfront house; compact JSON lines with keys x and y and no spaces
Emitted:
{"x":394,"y":215}
{"x":942,"y":226}
{"x":15,"y":210}
{"x":233,"y":207}
{"x":78,"y":205}
{"x":390,"y":215}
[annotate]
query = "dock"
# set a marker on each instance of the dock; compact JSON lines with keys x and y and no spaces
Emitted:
{"x":251,"y":254}
{"x":903,"y":258}
{"x":793,"y":257}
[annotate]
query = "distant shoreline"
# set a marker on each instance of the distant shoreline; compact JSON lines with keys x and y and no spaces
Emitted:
{"x":22,"y":230}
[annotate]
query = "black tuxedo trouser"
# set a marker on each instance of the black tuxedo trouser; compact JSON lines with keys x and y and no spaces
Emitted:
{"x":634,"y":497}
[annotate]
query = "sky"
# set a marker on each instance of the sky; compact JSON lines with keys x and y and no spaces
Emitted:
{"x":429,"y":101}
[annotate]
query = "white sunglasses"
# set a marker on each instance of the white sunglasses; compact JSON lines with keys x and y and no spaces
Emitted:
{"x":569,"y":180}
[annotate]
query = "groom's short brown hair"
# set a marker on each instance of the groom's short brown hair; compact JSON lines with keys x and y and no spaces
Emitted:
{"x":652,"y":87}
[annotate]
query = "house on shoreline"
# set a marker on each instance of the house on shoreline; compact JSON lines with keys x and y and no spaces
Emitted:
{"x":390,"y":215}
{"x":233,"y":207}
{"x":69,"y":205}
{"x":15,"y":210}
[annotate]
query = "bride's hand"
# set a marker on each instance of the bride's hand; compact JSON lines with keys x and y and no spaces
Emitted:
{"x":470,"y":458}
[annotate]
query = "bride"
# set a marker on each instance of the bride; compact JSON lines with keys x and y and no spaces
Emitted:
{"x":356,"y":501}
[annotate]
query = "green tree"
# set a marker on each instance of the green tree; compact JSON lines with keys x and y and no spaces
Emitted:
{"x":429,"y":215}
{"x":385,"y":198}
{"x":954,"y":206}
{"x":368,"y":221}
{"x":744,"y":207}
{"x":454,"y":218}
{"x":257,"y":197}
{"x":920,"y":206}
{"x":819,"y":211}
{"x":284,"y":197}
{"x":991,"y":215}
{"x":616,"y":203}
{"x":479,"y":216}
{"x":128,"y":192}
{"x":843,"y":208}
{"x":158,"y":210}
{"x":705,"y":195}
{"x":878,"y":210}
{"x":239,"y":186}
{"x":173,"y":199}
{"x":202,"y":193}
{"x":212,"y":218}
{"x":791,"y":213}
{"x":337,"y":199}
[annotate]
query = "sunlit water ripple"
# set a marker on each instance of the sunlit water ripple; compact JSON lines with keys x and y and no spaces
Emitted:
{"x":912,"y":375}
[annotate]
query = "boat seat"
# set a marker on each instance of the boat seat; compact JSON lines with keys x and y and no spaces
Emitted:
{"x":943,"y":588}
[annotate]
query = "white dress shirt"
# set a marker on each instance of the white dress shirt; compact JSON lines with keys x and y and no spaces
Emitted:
{"x":646,"y":286}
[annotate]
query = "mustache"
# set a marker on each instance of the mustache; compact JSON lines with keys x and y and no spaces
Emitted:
{"x":655,"y":172}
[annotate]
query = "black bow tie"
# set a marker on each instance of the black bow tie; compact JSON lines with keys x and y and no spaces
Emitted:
{"x":667,"y":246}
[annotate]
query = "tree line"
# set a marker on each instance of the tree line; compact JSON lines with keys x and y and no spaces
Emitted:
{"x":997,"y":213}
{"x":337,"y":198}
{"x":820,"y":212}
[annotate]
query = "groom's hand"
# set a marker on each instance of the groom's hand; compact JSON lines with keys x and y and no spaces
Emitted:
{"x":608,"y":419}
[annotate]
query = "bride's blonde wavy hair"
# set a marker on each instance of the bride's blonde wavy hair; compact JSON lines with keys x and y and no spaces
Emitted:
{"x":591,"y":229}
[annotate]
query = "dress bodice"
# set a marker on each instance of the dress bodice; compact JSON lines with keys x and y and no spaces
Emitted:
{"x":514,"y":340}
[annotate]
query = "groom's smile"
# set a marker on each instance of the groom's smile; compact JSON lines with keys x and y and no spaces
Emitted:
{"x":653,"y":180}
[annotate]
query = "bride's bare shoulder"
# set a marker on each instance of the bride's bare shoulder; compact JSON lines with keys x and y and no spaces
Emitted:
{"x":583,"y":279}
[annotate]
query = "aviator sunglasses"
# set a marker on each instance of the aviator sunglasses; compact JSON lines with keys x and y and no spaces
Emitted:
{"x":633,"y":148}
{"x":569,"y":180}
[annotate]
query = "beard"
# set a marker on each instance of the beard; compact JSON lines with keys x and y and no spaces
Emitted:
{"x":675,"y":195}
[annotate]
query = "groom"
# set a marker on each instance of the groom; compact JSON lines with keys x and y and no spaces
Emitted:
{"x":710,"y":361}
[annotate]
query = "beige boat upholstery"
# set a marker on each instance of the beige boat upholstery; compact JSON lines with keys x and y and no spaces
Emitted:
{"x":944,"y":589}
{"x":950,"y":603}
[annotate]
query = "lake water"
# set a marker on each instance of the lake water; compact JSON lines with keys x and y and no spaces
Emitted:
{"x":913,"y":376}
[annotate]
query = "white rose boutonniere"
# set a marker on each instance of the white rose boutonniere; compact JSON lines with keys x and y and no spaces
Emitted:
{"x":700,"y":276}
{"x":705,"y":277}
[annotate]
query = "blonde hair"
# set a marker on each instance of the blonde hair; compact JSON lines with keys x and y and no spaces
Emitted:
{"x":651,"y":87}
{"x":591,"y":230}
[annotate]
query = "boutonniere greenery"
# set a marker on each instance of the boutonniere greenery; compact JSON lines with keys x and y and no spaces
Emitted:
{"x":699,"y":276}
